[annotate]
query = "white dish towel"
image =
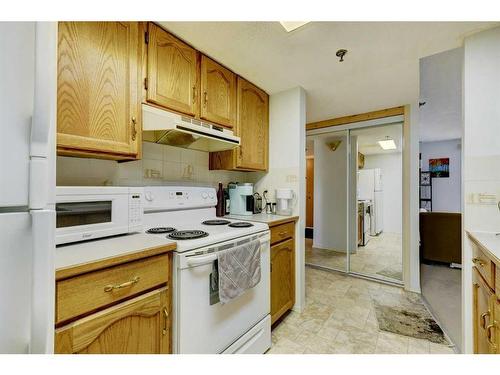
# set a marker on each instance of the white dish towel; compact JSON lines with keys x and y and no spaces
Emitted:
{"x":239,"y":270}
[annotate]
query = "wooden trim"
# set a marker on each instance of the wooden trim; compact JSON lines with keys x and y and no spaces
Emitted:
{"x":388,"y":112}
{"x":64,"y":273}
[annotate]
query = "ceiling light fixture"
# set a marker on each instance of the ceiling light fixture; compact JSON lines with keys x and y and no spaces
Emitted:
{"x":387,"y":144}
{"x":292,"y":25}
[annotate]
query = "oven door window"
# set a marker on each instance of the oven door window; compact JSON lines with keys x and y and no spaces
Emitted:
{"x":72,"y":214}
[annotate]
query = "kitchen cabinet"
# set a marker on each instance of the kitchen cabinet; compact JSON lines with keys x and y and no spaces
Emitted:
{"x":282,"y":269}
{"x":137,"y":326}
{"x":172,"y":72}
{"x":117,"y":305}
{"x":252,"y":126}
{"x":218,"y":93}
{"x":485,"y":299}
{"x":98,"y":101}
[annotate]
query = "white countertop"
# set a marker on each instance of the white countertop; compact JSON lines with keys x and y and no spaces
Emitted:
{"x":489,"y":241}
{"x":261,"y":218}
{"x":104,"y":248}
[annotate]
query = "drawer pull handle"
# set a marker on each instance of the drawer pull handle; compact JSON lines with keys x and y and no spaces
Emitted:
{"x":110,"y":288}
{"x":479,"y":261}
{"x":165,"y":316}
{"x":488,"y":334}
{"x":483,"y":319}
{"x":134,"y":130}
{"x":282,"y":234}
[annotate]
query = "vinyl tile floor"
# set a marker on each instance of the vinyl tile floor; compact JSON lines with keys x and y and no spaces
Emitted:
{"x":382,"y":257}
{"x":339,"y":318}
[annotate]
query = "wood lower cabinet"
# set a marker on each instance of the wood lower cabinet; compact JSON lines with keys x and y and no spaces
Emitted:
{"x":282,"y":269}
{"x":218,"y":93}
{"x":252,"y":126}
{"x":98,"y":101}
{"x":485,"y":302}
{"x":172,"y":72}
{"x":119,"y":309}
{"x":138,"y":326}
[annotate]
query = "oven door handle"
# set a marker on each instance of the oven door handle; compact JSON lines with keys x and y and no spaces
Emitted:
{"x":196,"y":261}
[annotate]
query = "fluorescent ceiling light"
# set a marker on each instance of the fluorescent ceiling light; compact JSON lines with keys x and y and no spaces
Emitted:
{"x":292,"y":25}
{"x":387,"y":144}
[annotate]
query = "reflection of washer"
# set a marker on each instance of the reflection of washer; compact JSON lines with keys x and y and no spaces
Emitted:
{"x":366,"y":208}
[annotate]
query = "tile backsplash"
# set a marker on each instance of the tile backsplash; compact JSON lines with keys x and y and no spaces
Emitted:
{"x":161,"y":164}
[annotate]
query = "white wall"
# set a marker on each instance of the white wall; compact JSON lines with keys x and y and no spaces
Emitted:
{"x":481,"y":151}
{"x":287,"y":120}
{"x":446,"y":191}
{"x":392,"y":178}
{"x":169,"y":164}
{"x":330,"y":193}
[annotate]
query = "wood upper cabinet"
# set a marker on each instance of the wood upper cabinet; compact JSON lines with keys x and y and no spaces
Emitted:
{"x":138,"y":326}
{"x":252,"y":126}
{"x":98,"y":101}
{"x":282,"y":278}
{"x":172,"y":72}
{"x":218,"y":93}
{"x":483,"y":315}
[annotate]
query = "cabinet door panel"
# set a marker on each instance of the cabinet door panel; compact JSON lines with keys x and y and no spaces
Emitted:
{"x":482,"y":314}
{"x":97,"y":101}
{"x":172,"y":72}
{"x":138,"y":326}
{"x":282,"y":278}
{"x":218,"y":87}
{"x":252,"y":126}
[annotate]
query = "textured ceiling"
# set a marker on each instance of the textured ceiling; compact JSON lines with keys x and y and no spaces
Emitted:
{"x":379,"y":71}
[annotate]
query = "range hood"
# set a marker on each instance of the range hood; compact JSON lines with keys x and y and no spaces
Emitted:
{"x":168,"y":128}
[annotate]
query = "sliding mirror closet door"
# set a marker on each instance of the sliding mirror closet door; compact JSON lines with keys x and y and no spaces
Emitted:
{"x":376,"y":212}
{"x":327,"y":234}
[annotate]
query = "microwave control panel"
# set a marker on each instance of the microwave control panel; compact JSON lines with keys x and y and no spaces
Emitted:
{"x":135,"y":210}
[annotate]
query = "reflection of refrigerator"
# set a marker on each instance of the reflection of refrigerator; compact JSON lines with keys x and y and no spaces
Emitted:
{"x":27,"y":189}
{"x":370,"y":187}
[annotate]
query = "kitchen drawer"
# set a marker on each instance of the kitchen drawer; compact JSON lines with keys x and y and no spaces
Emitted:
{"x":484,"y":265}
{"x":88,"y":292}
{"x":282,"y":232}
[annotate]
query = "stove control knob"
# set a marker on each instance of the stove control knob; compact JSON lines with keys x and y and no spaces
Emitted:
{"x":204,"y":195}
{"x":149,"y":196}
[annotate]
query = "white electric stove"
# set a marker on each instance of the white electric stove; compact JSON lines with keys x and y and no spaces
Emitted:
{"x":201,"y":324}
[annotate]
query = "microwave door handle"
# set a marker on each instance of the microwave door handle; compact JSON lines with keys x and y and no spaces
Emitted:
{"x":196,"y":261}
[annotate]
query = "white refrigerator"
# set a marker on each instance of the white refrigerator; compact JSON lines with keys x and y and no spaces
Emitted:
{"x":370,"y":187}
{"x":28,"y":64}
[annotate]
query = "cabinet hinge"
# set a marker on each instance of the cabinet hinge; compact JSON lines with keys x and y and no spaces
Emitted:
{"x":145,"y":83}
{"x":146,"y":37}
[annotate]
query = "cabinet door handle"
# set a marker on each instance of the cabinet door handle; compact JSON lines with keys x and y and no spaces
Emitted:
{"x":110,"y":288}
{"x":483,"y":319}
{"x":488,"y":334}
{"x":165,"y":321}
{"x":194,"y":94}
{"x":134,"y":130}
{"x":205,"y":99}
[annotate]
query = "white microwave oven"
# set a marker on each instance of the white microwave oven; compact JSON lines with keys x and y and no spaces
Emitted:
{"x":88,"y":212}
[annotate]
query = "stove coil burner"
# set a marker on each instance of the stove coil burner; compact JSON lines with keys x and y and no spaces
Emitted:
{"x":241,"y":224}
{"x":216,"y":222}
{"x":187,"y":234}
{"x":160,"y":230}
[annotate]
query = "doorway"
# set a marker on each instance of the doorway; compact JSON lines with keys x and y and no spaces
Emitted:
{"x":354,"y":188}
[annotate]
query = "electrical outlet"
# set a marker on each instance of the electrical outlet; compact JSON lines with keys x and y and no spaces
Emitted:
{"x":291,"y":178}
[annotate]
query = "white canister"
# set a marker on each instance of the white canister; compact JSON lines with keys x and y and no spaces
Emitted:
{"x":284,"y":200}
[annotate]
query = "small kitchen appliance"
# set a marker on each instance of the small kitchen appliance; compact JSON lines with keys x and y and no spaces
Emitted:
{"x":254,"y":203}
{"x":88,"y":212}
{"x":239,"y":195}
{"x":284,"y":200}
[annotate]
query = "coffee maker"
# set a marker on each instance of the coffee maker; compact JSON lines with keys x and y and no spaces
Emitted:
{"x":239,"y":194}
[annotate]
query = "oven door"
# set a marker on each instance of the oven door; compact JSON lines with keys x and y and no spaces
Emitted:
{"x":85,"y":217}
{"x":205,"y":326}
